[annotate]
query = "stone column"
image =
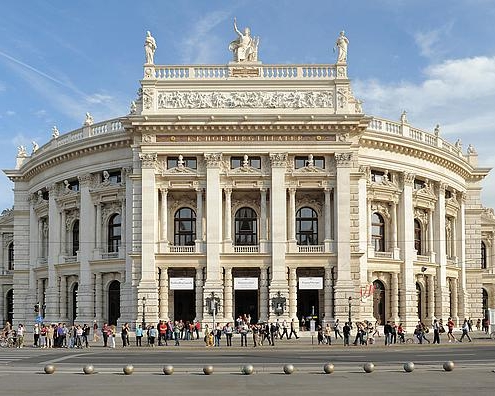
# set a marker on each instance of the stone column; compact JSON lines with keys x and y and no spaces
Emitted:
{"x":263,"y":295}
{"x":54,"y":229}
{"x":40,"y":292}
{"x":369,"y":237}
{"x":214,"y":281}
{"x":85,"y":303}
{"x":344,"y":287}
{"x":163,"y":293}
{"x":395,"y":226}
{"x":147,"y":286}
{"x":228,"y":218}
{"x":292,"y":214}
{"x":442,"y":302}
{"x":328,"y":295}
{"x":278,"y":206}
{"x":328,"y":220}
{"x":394,"y":296}
{"x":431,"y":236}
{"x":263,"y":222}
{"x":63,"y":298}
{"x":461,"y":287}
{"x":455,"y":301}
{"x":99,"y":297}
{"x":98,"y":225}
{"x":408,"y":310}
{"x":228,"y":308}
{"x":431,"y":298}
{"x":199,"y":220}
{"x":292,"y":294}
{"x":64,"y":249}
{"x":199,"y":294}
{"x":40,"y":248}
{"x":164,"y":216}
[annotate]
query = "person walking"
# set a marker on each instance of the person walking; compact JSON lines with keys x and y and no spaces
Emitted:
{"x":436,"y":332}
{"x":293,"y":326}
{"x":139,"y":335}
{"x":347,"y":333}
{"x":465,"y":331}
{"x":104,"y":332}
{"x":328,"y":334}
{"x":450,"y":326}
{"x":337,"y":329}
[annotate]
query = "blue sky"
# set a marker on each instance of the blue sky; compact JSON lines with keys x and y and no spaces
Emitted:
{"x":61,"y":59}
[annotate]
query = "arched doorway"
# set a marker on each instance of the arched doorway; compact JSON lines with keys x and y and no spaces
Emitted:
{"x":73,"y":311}
{"x":485,"y":303}
{"x":113,"y":302}
{"x":10,"y":306}
{"x":419,"y":296}
{"x":379,"y":301}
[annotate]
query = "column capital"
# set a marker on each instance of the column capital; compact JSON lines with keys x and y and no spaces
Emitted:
{"x":163,"y":190}
{"x":408,"y":178}
{"x":86,"y":180}
{"x":227,"y":190}
{"x":213,"y":160}
{"x":148,"y":160}
{"x":343,"y":159}
{"x":278,"y":160}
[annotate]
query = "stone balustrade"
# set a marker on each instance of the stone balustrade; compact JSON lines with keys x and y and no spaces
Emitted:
{"x":430,"y":139}
{"x":310,"y":248}
{"x":268,"y":72}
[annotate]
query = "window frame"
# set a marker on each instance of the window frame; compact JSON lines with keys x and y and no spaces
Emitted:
{"x":378,"y":239}
{"x":114,"y":240}
{"x":312,"y":233}
{"x":184,"y":237}
{"x":246,"y":237}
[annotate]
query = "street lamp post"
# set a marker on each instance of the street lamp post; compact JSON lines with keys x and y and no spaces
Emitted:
{"x":350,"y":306}
{"x":144,"y":313}
{"x":213,"y":308}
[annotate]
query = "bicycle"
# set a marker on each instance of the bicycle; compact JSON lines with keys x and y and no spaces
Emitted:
{"x":492,"y":335}
{"x":7,"y":341}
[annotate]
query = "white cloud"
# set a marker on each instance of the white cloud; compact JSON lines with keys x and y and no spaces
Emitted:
{"x":458,"y":94}
{"x":10,"y":113}
{"x":430,"y":41}
{"x":200,"y":45}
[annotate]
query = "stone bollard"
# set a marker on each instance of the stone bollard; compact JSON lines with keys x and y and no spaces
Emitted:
{"x":448,"y":365}
{"x":88,"y":369}
{"x":49,"y":369}
{"x":128,"y":370}
{"x":168,"y":369}
{"x":288,"y":368}
{"x":409,"y":367}
{"x":328,"y":368}
{"x":369,"y":367}
{"x":208,"y":370}
{"x":248,"y":369}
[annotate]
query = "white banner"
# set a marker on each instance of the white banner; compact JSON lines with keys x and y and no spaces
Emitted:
{"x":181,"y":283}
{"x":245,"y":283}
{"x":311,"y":283}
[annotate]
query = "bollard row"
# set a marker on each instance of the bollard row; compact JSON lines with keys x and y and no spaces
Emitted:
{"x":248,"y":369}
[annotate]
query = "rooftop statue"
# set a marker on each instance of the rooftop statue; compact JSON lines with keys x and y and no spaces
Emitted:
{"x":341,"y":44}
{"x":55,"y":133}
{"x":245,"y":47}
{"x":89,"y":120}
{"x":149,"y":48}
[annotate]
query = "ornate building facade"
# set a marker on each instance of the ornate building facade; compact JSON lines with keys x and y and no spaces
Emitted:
{"x":246,"y":189}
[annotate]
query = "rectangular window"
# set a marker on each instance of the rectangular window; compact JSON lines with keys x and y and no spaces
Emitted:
{"x":115,"y":177}
{"x":188,"y":162}
{"x":74,"y":185}
{"x":418,"y":184}
{"x":376,"y":176}
{"x":237,"y":162}
{"x":301,"y":162}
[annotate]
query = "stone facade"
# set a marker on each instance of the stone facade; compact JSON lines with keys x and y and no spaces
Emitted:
{"x":262,"y":188}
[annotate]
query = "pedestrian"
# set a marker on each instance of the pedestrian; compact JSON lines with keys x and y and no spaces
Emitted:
{"x":139,"y":335}
{"x":36,"y":335}
{"x":293,"y":326}
{"x":478,"y":324}
{"x":20,"y":336}
{"x":96,"y":337}
{"x":273,"y":332}
{"x":401,"y":333}
{"x":347,"y":333}
{"x":113,"y":331}
{"x":228,"y":330}
{"x":328,"y":334}
{"x":436,"y":332}
{"x":124,"y":333}
{"x":243,"y":331}
{"x":218,"y":334}
{"x":177,"y":333}
{"x":450,"y":326}
{"x":337,"y":329}
{"x":162,"y":332}
{"x":465,"y":331}
{"x":152,"y":335}
{"x":86,"y":331}
{"x":387,"y":331}
{"x":104,"y":333}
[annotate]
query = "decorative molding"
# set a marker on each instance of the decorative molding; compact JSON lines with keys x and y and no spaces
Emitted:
{"x":246,"y":99}
{"x":421,"y":215}
{"x":408,"y":178}
{"x":86,"y":180}
{"x":148,"y":98}
{"x":382,"y":208}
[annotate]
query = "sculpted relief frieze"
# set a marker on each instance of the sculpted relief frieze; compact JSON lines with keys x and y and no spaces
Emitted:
{"x":245,"y":99}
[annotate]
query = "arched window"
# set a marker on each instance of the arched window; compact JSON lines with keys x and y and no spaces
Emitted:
{"x":483,"y":256}
{"x":184,"y":227}
{"x":114,"y":233}
{"x":307,"y":226}
{"x":246,"y":227}
{"x":11,"y":256}
{"x":75,"y":237}
{"x":378,"y":232}
{"x":417,"y":237}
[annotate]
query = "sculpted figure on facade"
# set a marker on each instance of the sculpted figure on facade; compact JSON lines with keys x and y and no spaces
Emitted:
{"x":149,"y":48}
{"x":245,"y":47}
{"x":35,"y":147}
{"x":471,"y":149}
{"x":55,"y":133}
{"x":21,"y":151}
{"x":133,"y":108}
{"x":341,"y":44}
{"x":89,"y":120}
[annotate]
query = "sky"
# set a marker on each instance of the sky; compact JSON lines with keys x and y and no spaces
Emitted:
{"x":433,"y":58}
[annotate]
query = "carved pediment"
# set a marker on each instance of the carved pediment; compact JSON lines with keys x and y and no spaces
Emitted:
{"x":425,"y":197}
{"x":244,"y":170}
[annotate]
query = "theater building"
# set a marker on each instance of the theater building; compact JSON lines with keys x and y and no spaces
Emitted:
{"x":263,"y":188}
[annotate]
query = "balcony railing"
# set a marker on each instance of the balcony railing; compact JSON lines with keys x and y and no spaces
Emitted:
{"x":111,"y":255}
{"x":182,"y":249}
{"x":310,"y":248}
{"x":387,"y":255}
{"x":247,"y":249}
{"x":425,"y":259}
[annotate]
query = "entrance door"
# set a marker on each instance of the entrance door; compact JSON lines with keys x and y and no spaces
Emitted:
{"x":308,"y":305}
{"x":184,"y":305}
{"x":246,"y":302}
{"x":113,"y":302}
